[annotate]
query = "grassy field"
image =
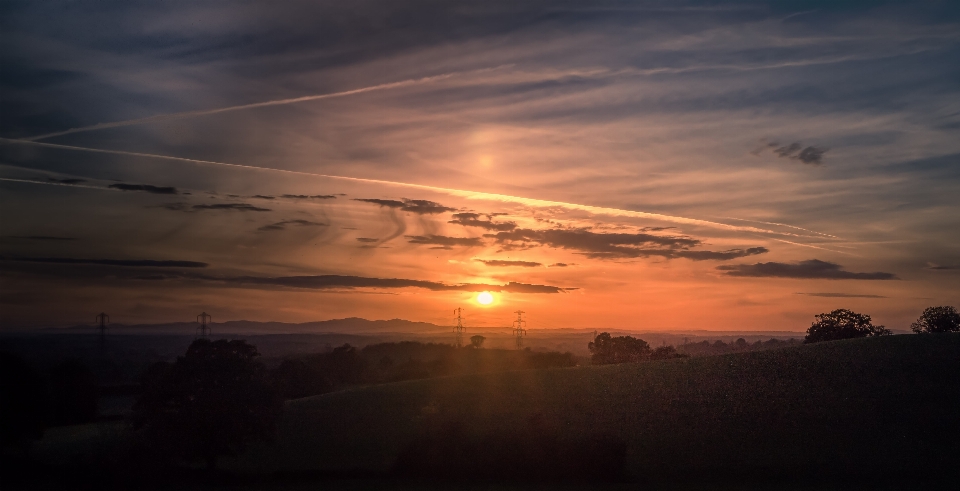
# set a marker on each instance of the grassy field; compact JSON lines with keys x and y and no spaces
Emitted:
{"x":860,"y":409}
{"x":880,"y":410}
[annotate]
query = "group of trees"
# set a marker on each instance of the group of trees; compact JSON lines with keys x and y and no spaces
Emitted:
{"x":606,"y":349}
{"x":32,"y":400}
{"x":846,"y":324}
{"x":213,"y":401}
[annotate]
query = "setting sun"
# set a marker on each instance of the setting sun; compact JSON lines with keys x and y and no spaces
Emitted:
{"x":485,"y":298}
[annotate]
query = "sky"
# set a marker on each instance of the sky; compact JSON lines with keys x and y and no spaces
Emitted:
{"x":607,"y":164}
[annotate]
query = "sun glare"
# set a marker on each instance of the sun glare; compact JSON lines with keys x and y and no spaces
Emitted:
{"x":485,"y":298}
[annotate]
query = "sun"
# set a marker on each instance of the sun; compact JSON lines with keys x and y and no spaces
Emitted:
{"x":485,"y":298}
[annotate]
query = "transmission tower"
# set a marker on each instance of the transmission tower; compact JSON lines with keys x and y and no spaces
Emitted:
{"x":203,"y":331}
{"x":519,"y":328}
{"x":102,"y":320}
{"x":459,"y":329}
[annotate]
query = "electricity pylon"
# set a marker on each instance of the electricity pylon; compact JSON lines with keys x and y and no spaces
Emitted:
{"x":519,"y":328}
{"x":102,"y":321}
{"x":203,"y":331}
{"x":459,"y":329}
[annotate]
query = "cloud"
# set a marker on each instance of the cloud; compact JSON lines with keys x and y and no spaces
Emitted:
{"x":304,"y":196}
{"x":809,"y":269}
{"x":283,"y":224}
{"x":811,"y":155}
{"x":132,"y":263}
{"x":717,"y":255}
{"x":321,"y":282}
{"x":559,"y":265}
{"x":294,"y":100}
{"x":616,"y":245}
{"x":444,"y":241}
{"x":841,"y":295}
{"x":39,"y":237}
{"x":229,"y":206}
{"x":475,"y":195}
{"x":419,"y":206}
{"x":260,"y":196}
{"x":147,"y":188}
{"x":367,"y":240}
{"x":808,"y":155}
{"x":67,"y":181}
{"x":473,"y":220}
{"x":593,"y":244}
{"x":499,"y":262}
{"x":936,"y":267}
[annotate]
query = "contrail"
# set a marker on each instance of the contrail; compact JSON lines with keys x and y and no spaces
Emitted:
{"x":472,"y":195}
{"x":814,"y":247}
{"x":279,"y":102}
{"x":49,"y":183}
{"x":782,"y":225}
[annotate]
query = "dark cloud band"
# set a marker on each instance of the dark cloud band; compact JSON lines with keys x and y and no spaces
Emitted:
{"x":418,"y":206}
{"x":810,"y":269}
{"x":133,"y":263}
{"x":322,"y":282}
{"x":147,"y":188}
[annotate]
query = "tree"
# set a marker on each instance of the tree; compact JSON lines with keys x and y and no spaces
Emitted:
{"x":937,"y":319}
{"x":842,"y":324}
{"x":22,"y":403}
{"x":666,"y":353}
{"x":213,"y":401}
{"x":74,"y":394}
{"x":477,"y":341}
{"x":294,"y":379}
{"x":607,"y":349}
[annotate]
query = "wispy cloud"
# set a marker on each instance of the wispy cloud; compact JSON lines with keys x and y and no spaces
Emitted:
{"x":810,"y":155}
{"x":230,"y":206}
{"x":470,"y":195}
{"x":474,"y":220}
{"x":418,"y":206}
{"x":39,"y":237}
{"x":507,"y":263}
{"x":809,"y":269}
{"x":279,"y":102}
{"x":841,"y":295}
{"x":282,"y":225}
{"x":321,"y":282}
{"x":147,"y":188}
{"x":132,"y":263}
{"x":445,"y":241}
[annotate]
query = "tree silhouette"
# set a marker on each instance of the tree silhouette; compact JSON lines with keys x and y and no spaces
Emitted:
{"x":477,"y":341}
{"x":842,"y":324}
{"x":607,"y":349}
{"x":22,"y":403}
{"x":937,"y":319}
{"x":74,"y":394}
{"x":213,"y":401}
{"x":665,"y":353}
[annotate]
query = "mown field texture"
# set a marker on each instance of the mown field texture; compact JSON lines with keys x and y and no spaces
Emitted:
{"x":861,"y":408}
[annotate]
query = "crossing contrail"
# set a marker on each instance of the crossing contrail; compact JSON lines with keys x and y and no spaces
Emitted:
{"x":51,"y":183}
{"x":278,"y":102}
{"x":471,"y":195}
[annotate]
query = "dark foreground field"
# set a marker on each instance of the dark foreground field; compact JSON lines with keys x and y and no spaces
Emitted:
{"x":879,"y":412}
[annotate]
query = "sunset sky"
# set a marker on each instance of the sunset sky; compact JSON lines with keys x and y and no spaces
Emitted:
{"x":631,"y":165}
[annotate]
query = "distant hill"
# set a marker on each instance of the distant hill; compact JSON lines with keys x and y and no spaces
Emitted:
{"x":352,"y":325}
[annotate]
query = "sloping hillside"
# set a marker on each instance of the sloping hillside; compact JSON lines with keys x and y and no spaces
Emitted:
{"x":869,"y":407}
